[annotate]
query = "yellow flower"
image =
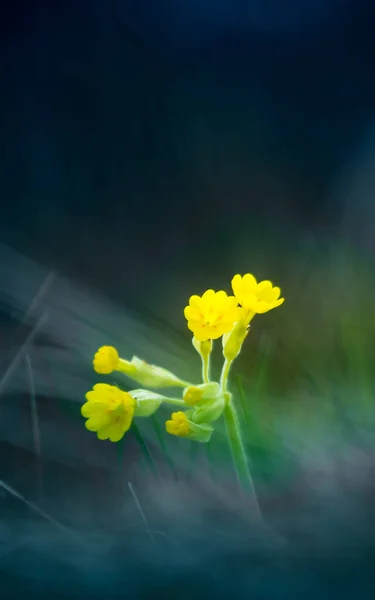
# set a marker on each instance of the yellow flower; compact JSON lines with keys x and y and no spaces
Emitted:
{"x":211,"y":315}
{"x":256,"y":297}
{"x":106,"y":360}
{"x":178,"y":424}
{"x":109,"y":411}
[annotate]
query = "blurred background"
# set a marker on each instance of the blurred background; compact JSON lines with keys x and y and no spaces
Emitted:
{"x":151,"y":150}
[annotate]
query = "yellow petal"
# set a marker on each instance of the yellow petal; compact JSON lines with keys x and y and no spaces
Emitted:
{"x":103,"y":434}
{"x":116,"y":432}
{"x":97,"y":422}
{"x":95,"y":398}
{"x":264,"y":291}
{"x":191,"y":313}
{"x":224,"y":303}
{"x":249,"y":301}
{"x":200,"y":333}
{"x":193,"y":325}
{"x":220,"y":295}
{"x":208,"y":295}
{"x":91,"y":396}
{"x":262,"y":307}
{"x":127,"y":420}
{"x":237,"y":285}
{"x":170,"y":427}
{"x":215,"y":333}
{"x":249,"y":283}
{"x":195,"y":302}
{"x":275,"y":293}
{"x":91,"y":408}
{"x":231,"y":303}
{"x":102,"y":388}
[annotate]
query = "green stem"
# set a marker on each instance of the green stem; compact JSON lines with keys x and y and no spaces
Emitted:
{"x":175,"y":401}
{"x":238,"y":453}
{"x":204,"y":350}
{"x":205,"y":368}
{"x":224,"y":374}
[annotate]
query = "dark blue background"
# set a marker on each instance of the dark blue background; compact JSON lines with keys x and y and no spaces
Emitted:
{"x":147,"y":139}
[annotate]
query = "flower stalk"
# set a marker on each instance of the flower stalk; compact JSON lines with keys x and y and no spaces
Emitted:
{"x":235,"y":441}
{"x":225,"y":374}
{"x":204,"y":350}
{"x":238,"y":452}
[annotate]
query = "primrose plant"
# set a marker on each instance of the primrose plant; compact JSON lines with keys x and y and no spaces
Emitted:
{"x":110,"y":410}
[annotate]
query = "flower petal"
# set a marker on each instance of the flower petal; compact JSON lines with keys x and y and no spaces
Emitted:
{"x":237,"y":285}
{"x":220,"y":298}
{"x":192,"y":314}
{"x":200,"y":333}
{"x":116,"y":432}
{"x":97,"y":422}
{"x":195,"y":302}
{"x":208,"y":296}
{"x":275,"y":293}
{"x":249,"y":301}
{"x":91,"y":408}
{"x":249,"y":283}
{"x":262,"y":307}
{"x":103,"y":434}
{"x":102,"y":388}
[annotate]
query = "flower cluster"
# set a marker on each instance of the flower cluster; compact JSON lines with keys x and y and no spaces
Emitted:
{"x":109,"y":410}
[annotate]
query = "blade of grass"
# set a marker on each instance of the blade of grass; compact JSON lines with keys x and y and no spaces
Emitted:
{"x":142,"y":513}
{"x":145,"y":450}
{"x":193,"y":455}
{"x":35,"y":426}
{"x":20,"y":353}
{"x":34,"y":508}
{"x":245,"y":409}
{"x":211,"y":461}
{"x":163,"y":444}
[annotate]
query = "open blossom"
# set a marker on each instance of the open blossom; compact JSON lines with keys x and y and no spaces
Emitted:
{"x":256,"y":297}
{"x":211,"y":315}
{"x":109,"y":411}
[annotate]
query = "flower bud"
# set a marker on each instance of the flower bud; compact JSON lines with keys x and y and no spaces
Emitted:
{"x":232,"y":341}
{"x":149,"y":375}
